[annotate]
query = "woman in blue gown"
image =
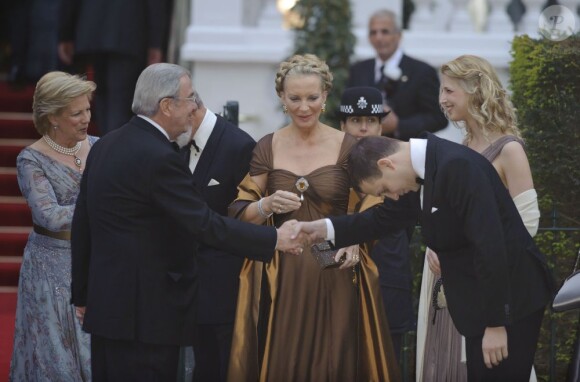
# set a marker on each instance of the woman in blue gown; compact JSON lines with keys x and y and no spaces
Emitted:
{"x":49,"y":344}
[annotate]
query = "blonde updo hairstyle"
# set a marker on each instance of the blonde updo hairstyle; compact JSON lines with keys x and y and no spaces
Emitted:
{"x":301,"y":65}
{"x":53,"y":93}
{"x":488,"y":102}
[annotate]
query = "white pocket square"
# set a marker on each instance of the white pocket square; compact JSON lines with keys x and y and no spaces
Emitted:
{"x":213,"y":182}
{"x":434,"y":209}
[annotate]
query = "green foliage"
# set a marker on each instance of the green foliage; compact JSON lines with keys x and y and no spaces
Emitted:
{"x":326,"y":32}
{"x":546,"y":92}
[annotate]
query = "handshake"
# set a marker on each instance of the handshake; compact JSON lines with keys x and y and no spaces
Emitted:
{"x":294,"y":236}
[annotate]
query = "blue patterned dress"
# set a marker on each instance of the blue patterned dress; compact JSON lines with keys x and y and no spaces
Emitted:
{"x":49,"y":344}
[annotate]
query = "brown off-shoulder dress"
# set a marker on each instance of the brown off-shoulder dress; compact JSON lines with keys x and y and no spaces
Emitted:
{"x":295,"y":321}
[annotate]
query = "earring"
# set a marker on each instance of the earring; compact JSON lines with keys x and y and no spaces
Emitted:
{"x":55,"y":127}
{"x":323,"y":107}
{"x":285,"y":109}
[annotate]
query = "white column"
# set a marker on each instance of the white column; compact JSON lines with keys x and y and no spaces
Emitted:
{"x":213,"y":13}
{"x":459,"y":20}
{"x":530,"y":22}
{"x":270,"y":17}
{"x":442,"y":13}
{"x":478,"y":11}
{"x":422,"y":18}
{"x":499,"y":20}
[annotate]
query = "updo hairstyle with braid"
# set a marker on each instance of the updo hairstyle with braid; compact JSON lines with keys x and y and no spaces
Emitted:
{"x":301,"y":65}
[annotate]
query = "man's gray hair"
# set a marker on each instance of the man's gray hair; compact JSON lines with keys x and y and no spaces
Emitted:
{"x":156,"y":82}
{"x":387,"y":13}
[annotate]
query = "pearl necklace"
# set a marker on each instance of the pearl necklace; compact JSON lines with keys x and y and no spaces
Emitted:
{"x":65,"y":150}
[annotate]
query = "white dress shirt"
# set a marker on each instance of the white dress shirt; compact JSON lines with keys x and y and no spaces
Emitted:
{"x":418,"y":154}
{"x":392,"y":62}
{"x":201,"y":137}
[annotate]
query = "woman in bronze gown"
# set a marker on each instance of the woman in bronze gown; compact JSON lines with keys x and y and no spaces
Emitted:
{"x":294,"y":320}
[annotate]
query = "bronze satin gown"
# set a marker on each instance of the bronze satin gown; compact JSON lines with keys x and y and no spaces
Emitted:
{"x":316,"y":328}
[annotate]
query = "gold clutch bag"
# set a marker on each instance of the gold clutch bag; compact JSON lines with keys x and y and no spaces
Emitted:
{"x":324,"y":254}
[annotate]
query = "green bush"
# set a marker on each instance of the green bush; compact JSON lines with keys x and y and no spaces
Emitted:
{"x":326,"y":32}
{"x":545,"y":82}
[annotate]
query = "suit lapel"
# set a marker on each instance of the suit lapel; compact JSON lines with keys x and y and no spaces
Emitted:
{"x":207,"y":154}
{"x":405,"y":73}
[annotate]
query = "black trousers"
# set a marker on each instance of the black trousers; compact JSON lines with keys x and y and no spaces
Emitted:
{"x":116,"y":76}
{"x":397,"y":339}
{"x":522,"y":343}
{"x":132,"y":361}
{"x":211,"y":349}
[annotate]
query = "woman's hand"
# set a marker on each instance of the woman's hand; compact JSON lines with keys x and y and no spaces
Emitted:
{"x":282,"y":202}
{"x":433,"y":261}
{"x":352,"y":256}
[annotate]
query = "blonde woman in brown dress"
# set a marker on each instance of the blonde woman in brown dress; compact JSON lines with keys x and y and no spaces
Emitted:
{"x":473,"y":98}
{"x":294,"y":320}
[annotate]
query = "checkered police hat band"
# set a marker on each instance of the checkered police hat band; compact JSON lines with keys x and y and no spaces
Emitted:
{"x":375,"y":109}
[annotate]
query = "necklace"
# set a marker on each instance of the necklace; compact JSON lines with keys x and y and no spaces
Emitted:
{"x":72,"y":151}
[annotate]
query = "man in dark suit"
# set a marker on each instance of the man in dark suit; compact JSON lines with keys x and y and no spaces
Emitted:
{"x":410,"y":87}
{"x":497,"y":283}
{"x":119,"y":39}
{"x":137,"y":225}
{"x":219,"y":158}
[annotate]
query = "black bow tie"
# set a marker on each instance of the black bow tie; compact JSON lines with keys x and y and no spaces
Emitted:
{"x":419,"y":180}
{"x":192,"y":144}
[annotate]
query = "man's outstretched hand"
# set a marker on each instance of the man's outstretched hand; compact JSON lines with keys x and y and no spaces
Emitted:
{"x":290,"y":240}
{"x":315,"y":231}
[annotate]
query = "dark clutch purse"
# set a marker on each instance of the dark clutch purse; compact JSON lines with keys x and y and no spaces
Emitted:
{"x":568,"y":297}
{"x":324,"y":254}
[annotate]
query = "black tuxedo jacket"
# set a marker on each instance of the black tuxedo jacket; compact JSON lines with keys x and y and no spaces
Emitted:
{"x":414,"y":98}
{"x":136,"y":228}
{"x":225,"y":160}
{"x":493,"y":272}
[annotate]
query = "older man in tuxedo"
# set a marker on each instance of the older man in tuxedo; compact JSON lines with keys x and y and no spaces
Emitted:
{"x":410,"y":87}
{"x":497,"y":283}
{"x":137,"y":225}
